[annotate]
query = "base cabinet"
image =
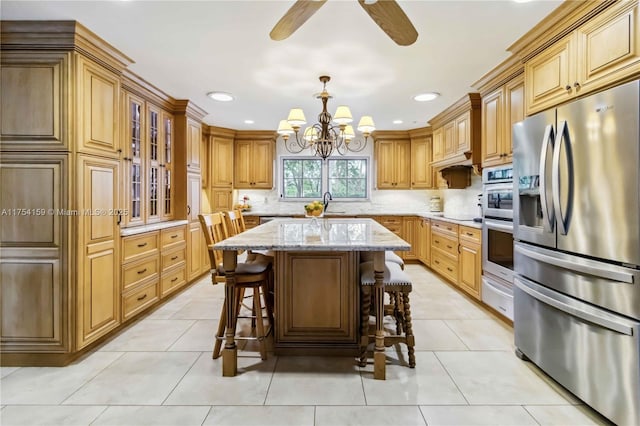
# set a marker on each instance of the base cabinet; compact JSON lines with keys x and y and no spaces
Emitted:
{"x":316,"y":301}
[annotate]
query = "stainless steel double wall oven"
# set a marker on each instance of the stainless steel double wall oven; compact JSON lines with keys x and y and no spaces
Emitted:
{"x":497,"y":239}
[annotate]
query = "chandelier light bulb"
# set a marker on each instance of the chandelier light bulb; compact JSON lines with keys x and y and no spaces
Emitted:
{"x":284,"y":128}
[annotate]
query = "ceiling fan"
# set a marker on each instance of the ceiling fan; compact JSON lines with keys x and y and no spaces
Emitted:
{"x":386,"y":13}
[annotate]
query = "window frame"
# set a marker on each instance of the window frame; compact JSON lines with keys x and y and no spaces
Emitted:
{"x":324,"y":177}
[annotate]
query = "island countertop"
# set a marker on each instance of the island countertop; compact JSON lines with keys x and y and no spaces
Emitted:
{"x":360,"y":234}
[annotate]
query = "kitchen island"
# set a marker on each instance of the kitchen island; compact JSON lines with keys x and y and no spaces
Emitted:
{"x":317,"y":291}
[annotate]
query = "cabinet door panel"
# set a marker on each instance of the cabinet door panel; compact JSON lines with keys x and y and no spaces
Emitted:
{"x":194,"y":252}
{"x":548,"y":75}
{"x":100,"y":91}
{"x":609,"y":47}
{"x":492,"y":128}
{"x":221,"y":199}
{"x":449,"y":130}
{"x":470,"y":269}
{"x":33,"y":302}
{"x":242,"y":157}
{"x":438,"y":144}
{"x":222,"y":162}
{"x":514,"y":113}
{"x":421,"y":173}
{"x":385,"y":159}
{"x":262,"y":164}
{"x":403,"y":165}
{"x":98,"y":306}
{"x":463,"y":133}
{"x":193,"y":144}
{"x":33,"y":105}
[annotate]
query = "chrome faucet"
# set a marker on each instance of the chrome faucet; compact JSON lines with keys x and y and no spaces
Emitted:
{"x":325,"y":199}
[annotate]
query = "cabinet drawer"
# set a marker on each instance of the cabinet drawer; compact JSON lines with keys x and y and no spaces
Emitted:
{"x":473,"y":235}
{"x":172,"y":236}
{"x":251,"y":221}
{"x":445,"y":266}
{"x":141,"y":245}
{"x":445,"y":227}
{"x":139,"y":299}
{"x":445,"y":243}
{"x":173,"y":257}
{"x":136,"y":272}
{"x":173,"y":280}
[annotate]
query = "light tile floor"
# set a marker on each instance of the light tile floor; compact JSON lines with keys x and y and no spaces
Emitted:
{"x":159,"y":371}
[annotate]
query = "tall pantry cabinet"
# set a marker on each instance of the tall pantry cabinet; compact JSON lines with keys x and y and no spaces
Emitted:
{"x":59,"y":189}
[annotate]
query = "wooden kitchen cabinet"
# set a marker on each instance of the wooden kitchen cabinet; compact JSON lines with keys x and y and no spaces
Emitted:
{"x":173,"y":259}
{"x":424,"y":240}
{"x":470,"y":261}
{"x":98,"y":308}
{"x":444,"y":249}
{"x":221,"y":171}
{"x":411,"y":234}
{"x":194,"y":137}
{"x":421,"y":148}
{"x":502,"y":91}
{"x":253,"y":162}
{"x":456,"y":133}
{"x":597,"y":54}
{"x":393,"y":163}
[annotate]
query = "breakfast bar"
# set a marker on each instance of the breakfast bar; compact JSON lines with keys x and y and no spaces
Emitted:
{"x":317,"y":289}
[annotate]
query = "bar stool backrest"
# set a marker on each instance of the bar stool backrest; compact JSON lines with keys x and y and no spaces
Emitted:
{"x":215,"y":230}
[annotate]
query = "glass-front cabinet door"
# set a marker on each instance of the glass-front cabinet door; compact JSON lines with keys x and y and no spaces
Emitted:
{"x":154,"y":207}
{"x":166,"y":146}
{"x":134,"y":160}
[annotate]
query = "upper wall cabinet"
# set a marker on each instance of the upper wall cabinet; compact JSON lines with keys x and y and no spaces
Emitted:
{"x":456,"y":133}
{"x":583,"y":47}
{"x":253,"y":160}
{"x":221,"y":149}
{"x":393,"y":160}
{"x":33,"y":105}
{"x":502,"y":91}
{"x":421,"y":148}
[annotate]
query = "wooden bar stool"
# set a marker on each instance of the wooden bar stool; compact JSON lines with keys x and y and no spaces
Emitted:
{"x":397,"y":284}
{"x":253,"y":274}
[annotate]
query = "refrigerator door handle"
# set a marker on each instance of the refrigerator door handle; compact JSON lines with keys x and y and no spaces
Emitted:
{"x":594,"y":271}
{"x":561,"y":304}
{"x":549,"y":215}
{"x":562,"y":137}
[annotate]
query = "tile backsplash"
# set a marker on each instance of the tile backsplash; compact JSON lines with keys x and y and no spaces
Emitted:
{"x":463,"y":202}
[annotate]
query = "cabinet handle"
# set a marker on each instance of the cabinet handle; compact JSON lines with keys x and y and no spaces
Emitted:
{"x":449,"y":247}
{"x":142,"y":297}
{"x":437,"y":262}
{"x":174,"y":236}
{"x":437,"y":241}
{"x":567,"y":87}
{"x":143,"y":271}
{"x":127,"y":159}
{"x":174,"y":257}
{"x":449,"y":269}
{"x":142,"y":245}
{"x":188,"y":210}
{"x":174,"y":280}
{"x":469,"y":234}
{"x":459,"y":249}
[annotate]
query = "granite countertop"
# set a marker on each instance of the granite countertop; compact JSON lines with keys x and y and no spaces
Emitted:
{"x":135,"y":230}
{"x":316,"y":235}
{"x":460,"y":220}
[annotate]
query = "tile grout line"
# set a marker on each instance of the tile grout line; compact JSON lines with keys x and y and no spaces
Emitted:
{"x":530,"y":415}
{"x":93,"y":377}
{"x":99,"y":415}
{"x":181,"y":378}
{"x":193,"y":323}
{"x":451,"y":377}
{"x":456,"y":334}
{"x":273,"y":373}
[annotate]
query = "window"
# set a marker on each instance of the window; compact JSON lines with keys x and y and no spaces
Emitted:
{"x":310,"y":177}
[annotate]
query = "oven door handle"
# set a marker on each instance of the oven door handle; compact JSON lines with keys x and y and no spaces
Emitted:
{"x":499,"y":226}
{"x":548,"y":139}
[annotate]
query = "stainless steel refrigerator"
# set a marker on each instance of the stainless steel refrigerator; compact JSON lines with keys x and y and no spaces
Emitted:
{"x":577,"y":248}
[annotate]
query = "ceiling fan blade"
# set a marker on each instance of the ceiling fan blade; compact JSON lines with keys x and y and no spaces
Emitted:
{"x":295,"y":17}
{"x":393,"y":21}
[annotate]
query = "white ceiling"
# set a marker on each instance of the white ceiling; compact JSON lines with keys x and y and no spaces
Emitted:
{"x":189,"y":48}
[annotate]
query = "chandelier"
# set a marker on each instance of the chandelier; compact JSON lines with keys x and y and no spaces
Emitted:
{"x":323,"y":137}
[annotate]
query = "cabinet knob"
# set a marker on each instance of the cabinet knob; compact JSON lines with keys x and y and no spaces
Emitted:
{"x":576,"y":84}
{"x":567,"y":87}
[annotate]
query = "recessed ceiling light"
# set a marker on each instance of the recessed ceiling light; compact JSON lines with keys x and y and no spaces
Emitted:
{"x":220,"y":96}
{"x":397,"y":121}
{"x":522,"y":1}
{"x":424,"y":97}
{"x":249,"y":121}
